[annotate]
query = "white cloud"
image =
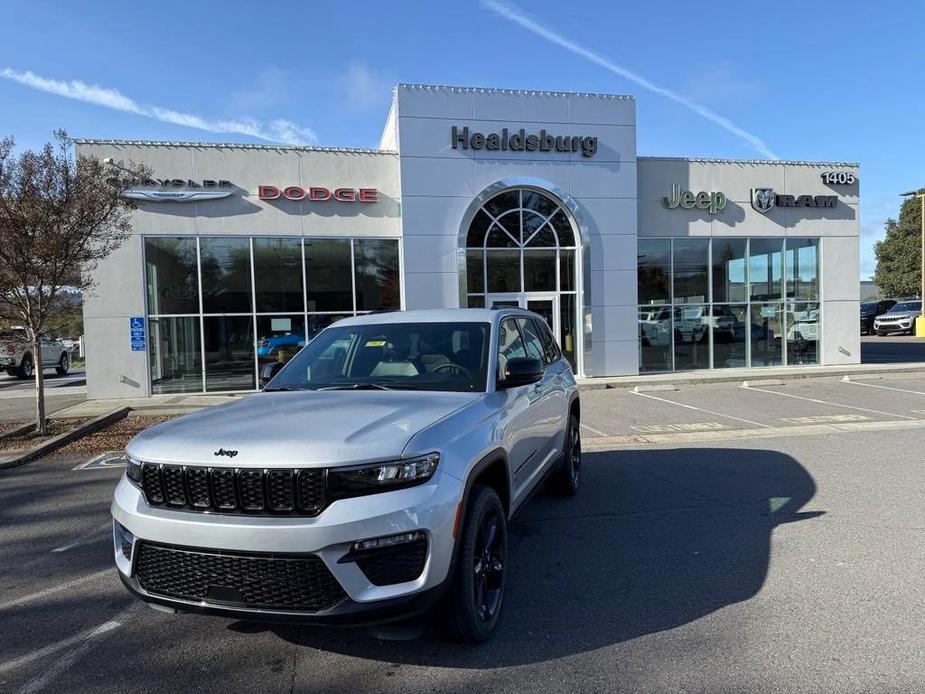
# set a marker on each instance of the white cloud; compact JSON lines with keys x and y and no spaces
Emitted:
{"x":279,"y":130}
{"x":364,"y":88}
{"x":513,"y":14}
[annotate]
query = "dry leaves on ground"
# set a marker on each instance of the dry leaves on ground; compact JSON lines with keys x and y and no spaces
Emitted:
{"x":112,"y":438}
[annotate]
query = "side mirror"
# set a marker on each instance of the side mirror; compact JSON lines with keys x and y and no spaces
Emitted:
{"x":268,"y":371}
{"x":521,"y":371}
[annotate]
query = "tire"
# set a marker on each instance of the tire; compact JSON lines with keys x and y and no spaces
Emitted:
{"x":567,"y":479}
{"x":476,"y":596}
{"x":25,"y":368}
{"x":64,"y":364}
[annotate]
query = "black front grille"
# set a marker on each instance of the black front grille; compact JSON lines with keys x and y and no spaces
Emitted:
{"x":398,"y":564}
{"x":235,"y":490}
{"x":259,"y":581}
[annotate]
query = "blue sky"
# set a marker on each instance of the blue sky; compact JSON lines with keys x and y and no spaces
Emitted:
{"x":819,"y":81}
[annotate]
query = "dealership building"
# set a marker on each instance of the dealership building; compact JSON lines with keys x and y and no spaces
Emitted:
{"x":474,"y":198}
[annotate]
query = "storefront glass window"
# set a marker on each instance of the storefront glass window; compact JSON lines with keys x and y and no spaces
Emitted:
{"x":244,"y":322}
{"x":475,"y":272}
{"x":729,"y":271}
{"x":175,"y":355}
{"x":691,"y":337}
{"x":378,"y":279}
{"x":730,"y":330}
{"x":278,"y":275}
{"x":171,"y":275}
{"x":802,"y":333}
{"x":802,"y":265}
{"x":746,"y":323}
{"x":225,"y":264}
{"x":328,"y":275}
{"x":765,"y":269}
{"x":503,"y":271}
{"x":766,"y":334}
{"x":690,"y":271}
{"x":229,"y":352}
{"x":539,"y":270}
{"x":654,"y":271}
{"x":655,"y":338}
{"x":280,"y":337}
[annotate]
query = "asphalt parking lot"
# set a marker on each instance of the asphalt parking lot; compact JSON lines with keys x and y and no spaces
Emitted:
{"x":753,"y":548}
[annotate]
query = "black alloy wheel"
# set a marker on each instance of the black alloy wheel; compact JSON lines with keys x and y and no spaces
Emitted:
{"x":25,"y":369}
{"x":64,"y":365}
{"x":473,"y":603}
{"x":488,"y":567}
{"x":568,"y":478}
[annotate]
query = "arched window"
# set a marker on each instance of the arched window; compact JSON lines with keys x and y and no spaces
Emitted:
{"x":521,"y":251}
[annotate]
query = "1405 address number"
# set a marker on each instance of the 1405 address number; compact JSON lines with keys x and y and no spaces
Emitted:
{"x":839,"y":177}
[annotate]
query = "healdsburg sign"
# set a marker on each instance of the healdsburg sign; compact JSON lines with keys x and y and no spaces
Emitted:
{"x":520,"y":141}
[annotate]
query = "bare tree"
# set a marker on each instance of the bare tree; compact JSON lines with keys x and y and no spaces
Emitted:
{"x":59,"y":216}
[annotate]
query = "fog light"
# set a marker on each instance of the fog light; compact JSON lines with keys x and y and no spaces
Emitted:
{"x":126,"y":540}
{"x":389,"y":541}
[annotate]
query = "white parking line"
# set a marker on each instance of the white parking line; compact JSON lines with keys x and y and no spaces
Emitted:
{"x":53,"y":648}
{"x":54,"y":589}
{"x":873,"y":385}
{"x":701,"y":409}
{"x":593,"y":430}
{"x":98,"y":535}
{"x":826,"y":402}
{"x":74,"y":646}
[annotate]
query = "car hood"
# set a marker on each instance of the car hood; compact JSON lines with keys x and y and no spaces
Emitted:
{"x":310,"y":428}
{"x":899,"y":314}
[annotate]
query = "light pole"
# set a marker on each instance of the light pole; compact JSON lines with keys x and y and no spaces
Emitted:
{"x":920,"y":321}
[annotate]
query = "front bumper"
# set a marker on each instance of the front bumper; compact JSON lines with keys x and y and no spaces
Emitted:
{"x":895,"y":326}
{"x":429,"y":508}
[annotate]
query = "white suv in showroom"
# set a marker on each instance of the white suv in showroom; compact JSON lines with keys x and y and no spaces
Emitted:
{"x":372,"y":478}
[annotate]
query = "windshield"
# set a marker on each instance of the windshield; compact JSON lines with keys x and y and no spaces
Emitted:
{"x":869,"y":307}
{"x":905,"y":306}
{"x":406,"y":356}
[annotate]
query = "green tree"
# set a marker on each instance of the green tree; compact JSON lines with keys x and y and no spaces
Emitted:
{"x":59,"y":216}
{"x":899,"y":254}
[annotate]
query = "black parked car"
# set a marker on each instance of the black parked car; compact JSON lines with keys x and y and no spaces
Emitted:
{"x":872,"y":309}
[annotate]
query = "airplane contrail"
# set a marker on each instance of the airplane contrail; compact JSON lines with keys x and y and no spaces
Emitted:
{"x":279,"y":130}
{"x":513,"y":14}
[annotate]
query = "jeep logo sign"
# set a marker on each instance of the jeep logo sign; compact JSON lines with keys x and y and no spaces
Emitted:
{"x":225,"y":452}
{"x":713,"y":202}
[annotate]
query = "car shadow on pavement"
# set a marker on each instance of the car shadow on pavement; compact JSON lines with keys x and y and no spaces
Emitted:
{"x":655,"y":539}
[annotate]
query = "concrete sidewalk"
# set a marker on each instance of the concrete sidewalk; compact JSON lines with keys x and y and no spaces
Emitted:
{"x":761,"y":373}
{"x":155,"y":406}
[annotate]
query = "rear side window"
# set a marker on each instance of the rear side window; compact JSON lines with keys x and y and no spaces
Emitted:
{"x":532,"y":339}
{"x":550,"y":348}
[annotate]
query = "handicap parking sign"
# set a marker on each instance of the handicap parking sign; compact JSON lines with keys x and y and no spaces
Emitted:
{"x":136,"y":326}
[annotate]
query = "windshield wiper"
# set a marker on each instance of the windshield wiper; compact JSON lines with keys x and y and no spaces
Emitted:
{"x":357,"y":386}
{"x":277,"y":389}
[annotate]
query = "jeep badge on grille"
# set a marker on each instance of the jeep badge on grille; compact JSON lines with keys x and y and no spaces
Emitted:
{"x":222,"y":451}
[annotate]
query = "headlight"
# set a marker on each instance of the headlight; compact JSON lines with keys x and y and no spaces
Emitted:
{"x":381,"y":477}
{"x":133,"y":469}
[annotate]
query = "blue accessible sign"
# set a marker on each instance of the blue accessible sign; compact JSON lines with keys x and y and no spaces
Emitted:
{"x":136,"y":326}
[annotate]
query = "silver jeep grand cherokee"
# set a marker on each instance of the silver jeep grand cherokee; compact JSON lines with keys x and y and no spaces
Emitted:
{"x":370,"y":480}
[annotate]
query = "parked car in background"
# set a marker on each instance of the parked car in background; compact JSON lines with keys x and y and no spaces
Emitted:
{"x":899,"y":319}
{"x":268,"y":347}
{"x":655,"y":326}
{"x":16,"y":356}
{"x":870,"y":310}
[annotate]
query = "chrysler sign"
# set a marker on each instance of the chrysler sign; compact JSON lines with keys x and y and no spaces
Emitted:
{"x":177,"y":189}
